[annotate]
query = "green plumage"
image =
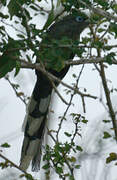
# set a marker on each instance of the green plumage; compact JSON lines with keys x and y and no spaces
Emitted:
{"x":53,"y":55}
{"x":61,"y":33}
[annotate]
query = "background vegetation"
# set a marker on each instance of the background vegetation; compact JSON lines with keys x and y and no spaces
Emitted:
{"x":64,"y":151}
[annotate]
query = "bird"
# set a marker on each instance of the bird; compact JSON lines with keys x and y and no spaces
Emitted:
{"x":69,"y":28}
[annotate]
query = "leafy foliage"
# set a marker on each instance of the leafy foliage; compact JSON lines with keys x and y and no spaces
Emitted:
{"x":8,"y":61}
{"x":21,"y":14}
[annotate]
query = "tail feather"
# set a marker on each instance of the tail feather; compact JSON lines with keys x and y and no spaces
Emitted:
{"x":33,"y":126}
{"x":35,"y":120}
{"x":28,"y":151}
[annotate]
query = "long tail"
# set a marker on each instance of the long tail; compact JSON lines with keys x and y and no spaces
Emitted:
{"x":35,"y":122}
{"x":36,"y":119}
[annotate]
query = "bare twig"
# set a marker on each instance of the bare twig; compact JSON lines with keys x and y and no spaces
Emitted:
{"x":27,"y":27}
{"x":80,"y":45}
{"x":14,"y":88}
{"x":109,"y":103}
{"x":41,"y":8}
{"x":49,"y":132}
{"x":101,"y":97}
{"x":12,"y":26}
{"x":82,"y":97}
{"x":106,"y":89}
{"x":36,"y":66}
{"x":99,"y":11}
{"x":70,"y":102}
{"x":63,"y":117}
{"x":75,"y":132}
{"x":56,"y":90}
{"x":64,"y":46}
{"x":91,"y":60}
{"x":13,"y":164}
{"x":53,"y":85}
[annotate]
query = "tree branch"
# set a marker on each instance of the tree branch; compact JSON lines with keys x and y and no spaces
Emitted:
{"x":72,"y":95}
{"x":109,"y":103}
{"x":38,"y":67}
{"x":14,"y":88}
{"x":91,"y":60}
{"x":14,"y":165}
{"x":99,"y":11}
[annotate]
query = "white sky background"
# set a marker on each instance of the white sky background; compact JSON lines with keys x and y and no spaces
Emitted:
{"x":12,"y":112}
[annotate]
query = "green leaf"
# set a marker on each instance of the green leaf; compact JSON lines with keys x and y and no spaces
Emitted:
{"x":11,"y":52}
{"x":113,"y":28}
{"x":112,"y":157}
{"x":28,"y":176}
{"x":20,"y":36}
{"x":74,"y":75}
{"x":34,"y":8}
{"x":106,"y":135}
{"x":106,"y":121}
{"x":3,"y":16}
{"x":72,"y":159}
{"x":17,"y":68}
{"x":103,"y":3}
{"x":110,"y":57}
{"x":98,"y":44}
{"x":49,"y":20}
{"x":71,"y":177}
{"x":6,"y":65}
{"x":46,"y":166}
{"x":101,"y":30}
{"x":59,"y":170}
{"x":5,"y":145}
{"x":4,"y":2}
{"x":115,"y":7}
{"x":13,"y":8}
{"x":67,"y":147}
{"x":58,"y":148}
{"x":85,"y":121}
{"x":67,"y":134}
{"x":27,"y":13}
{"x":77,"y":166}
{"x":79,"y":148}
{"x":28,"y":58}
{"x":4,"y":164}
{"x":95,"y":17}
{"x":17,"y":22}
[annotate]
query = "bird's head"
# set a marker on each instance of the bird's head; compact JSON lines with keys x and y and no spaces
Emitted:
{"x":77,"y":22}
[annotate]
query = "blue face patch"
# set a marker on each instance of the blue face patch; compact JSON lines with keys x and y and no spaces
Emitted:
{"x":79,"y":19}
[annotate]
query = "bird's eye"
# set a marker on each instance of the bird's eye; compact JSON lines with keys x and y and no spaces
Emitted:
{"x":79,"y":19}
